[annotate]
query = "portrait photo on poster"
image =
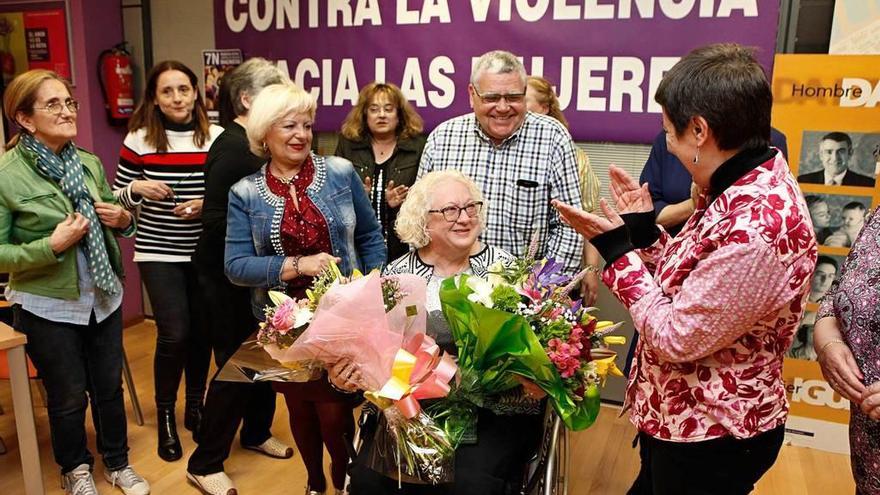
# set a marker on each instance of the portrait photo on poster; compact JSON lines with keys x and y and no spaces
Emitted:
{"x":837,"y":218}
{"x":826,"y":272}
{"x":839,"y":158}
{"x":802,"y":345}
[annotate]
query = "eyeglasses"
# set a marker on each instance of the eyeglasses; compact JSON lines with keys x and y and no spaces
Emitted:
{"x":376,"y":109}
{"x":492,"y":98}
{"x":452,"y":213}
{"x":56,"y":107}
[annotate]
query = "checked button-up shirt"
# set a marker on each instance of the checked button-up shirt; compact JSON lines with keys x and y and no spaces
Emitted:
{"x":518,"y":177}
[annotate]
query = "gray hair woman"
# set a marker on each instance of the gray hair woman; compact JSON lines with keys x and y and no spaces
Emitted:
{"x":441,"y":219}
{"x":229,"y":404}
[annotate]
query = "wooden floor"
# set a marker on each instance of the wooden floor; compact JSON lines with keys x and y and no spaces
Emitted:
{"x":603,"y":460}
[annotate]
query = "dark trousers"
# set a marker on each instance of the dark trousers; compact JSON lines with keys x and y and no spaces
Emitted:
{"x":181,"y":341}
{"x":722,"y":466}
{"x":493,"y":466}
{"x":230,"y":404}
{"x":80,"y":364}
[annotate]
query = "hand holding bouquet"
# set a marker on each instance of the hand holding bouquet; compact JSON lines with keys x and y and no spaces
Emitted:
{"x":376,"y":326}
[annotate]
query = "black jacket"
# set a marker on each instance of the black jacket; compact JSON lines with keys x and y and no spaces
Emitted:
{"x":229,"y":160}
{"x":402,"y":168}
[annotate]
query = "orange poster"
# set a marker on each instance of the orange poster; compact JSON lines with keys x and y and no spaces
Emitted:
{"x":827,"y":106}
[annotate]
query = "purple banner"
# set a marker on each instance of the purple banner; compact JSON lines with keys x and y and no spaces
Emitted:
{"x":605,"y":57}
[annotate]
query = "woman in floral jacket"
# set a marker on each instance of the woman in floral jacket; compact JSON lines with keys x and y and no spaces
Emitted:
{"x":717,"y":306}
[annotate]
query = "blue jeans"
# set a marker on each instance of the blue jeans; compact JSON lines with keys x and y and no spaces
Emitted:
{"x":79,"y":362}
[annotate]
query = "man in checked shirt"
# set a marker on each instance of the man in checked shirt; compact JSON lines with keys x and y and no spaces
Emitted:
{"x":521,"y":161}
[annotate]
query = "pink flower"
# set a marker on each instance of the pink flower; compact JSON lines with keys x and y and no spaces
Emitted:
{"x":285,"y":316}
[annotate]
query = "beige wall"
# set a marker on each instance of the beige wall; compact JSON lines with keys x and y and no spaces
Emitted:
{"x":181,"y":30}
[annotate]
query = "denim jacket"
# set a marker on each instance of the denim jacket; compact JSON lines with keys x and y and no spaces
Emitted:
{"x":254,"y":255}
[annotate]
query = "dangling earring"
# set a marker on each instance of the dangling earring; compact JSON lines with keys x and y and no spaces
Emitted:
{"x":265,"y":146}
{"x":697,"y":156}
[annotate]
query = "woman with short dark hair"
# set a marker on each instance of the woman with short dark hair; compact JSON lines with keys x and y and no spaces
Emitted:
{"x":716,"y":307}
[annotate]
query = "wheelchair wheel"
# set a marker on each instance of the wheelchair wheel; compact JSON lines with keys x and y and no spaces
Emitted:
{"x":547,"y":473}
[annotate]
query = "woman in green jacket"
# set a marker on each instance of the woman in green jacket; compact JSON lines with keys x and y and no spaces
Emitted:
{"x":58,"y":219}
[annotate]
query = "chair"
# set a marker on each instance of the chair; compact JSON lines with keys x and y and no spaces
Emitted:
{"x":547,"y":472}
{"x":132,"y":392}
{"x":4,"y":375}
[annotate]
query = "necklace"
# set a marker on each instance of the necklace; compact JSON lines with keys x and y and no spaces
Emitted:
{"x":384,"y":147}
{"x":286,"y":180}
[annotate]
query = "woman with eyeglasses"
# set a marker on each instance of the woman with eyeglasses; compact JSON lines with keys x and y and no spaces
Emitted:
{"x":442,"y":218}
{"x":161,"y":174}
{"x":58,"y":222}
{"x":382,"y":138}
{"x":286,"y":223}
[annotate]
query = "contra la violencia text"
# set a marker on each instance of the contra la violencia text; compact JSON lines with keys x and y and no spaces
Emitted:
{"x":263,"y":15}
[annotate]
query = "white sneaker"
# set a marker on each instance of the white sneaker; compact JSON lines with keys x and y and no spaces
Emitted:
{"x":213,"y":484}
{"x":127,"y":480}
{"x":79,"y":481}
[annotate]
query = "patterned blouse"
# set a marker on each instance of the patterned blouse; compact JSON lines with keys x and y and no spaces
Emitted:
{"x":854,"y":299}
{"x":716,"y":308}
{"x":304,"y":231}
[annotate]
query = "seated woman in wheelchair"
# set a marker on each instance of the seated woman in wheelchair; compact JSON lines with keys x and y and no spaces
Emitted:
{"x":441,"y":219}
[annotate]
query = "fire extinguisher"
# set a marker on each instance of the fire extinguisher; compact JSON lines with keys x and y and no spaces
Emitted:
{"x":117,"y":83}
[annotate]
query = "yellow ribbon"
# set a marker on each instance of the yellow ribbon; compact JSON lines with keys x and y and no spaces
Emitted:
{"x":398,"y":385}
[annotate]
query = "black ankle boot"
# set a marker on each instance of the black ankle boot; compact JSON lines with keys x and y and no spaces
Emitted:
{"x":192,"y":419}
{"x":169,"y":443}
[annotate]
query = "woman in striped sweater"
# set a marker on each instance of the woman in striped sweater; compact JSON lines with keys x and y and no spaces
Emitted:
{"x":161,"y":173}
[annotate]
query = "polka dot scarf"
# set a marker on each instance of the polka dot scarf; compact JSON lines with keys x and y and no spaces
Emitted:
{"x":67,"y":171}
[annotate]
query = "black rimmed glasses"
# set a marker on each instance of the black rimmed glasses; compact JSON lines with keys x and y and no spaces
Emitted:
{"x":56,"y":107}
{"x":452,"y":213}
{"x":493,"y":98}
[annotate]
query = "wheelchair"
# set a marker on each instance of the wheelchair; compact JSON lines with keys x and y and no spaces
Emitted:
{"x":545,"y":473}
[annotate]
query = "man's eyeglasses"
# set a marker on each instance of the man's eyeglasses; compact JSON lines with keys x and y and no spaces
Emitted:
{"x":492,"y":98}
{"x":56,"y":107}
{"x":452,"y":213}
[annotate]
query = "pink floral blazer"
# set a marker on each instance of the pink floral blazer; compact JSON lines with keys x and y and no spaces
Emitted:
{"x":716,"y":308}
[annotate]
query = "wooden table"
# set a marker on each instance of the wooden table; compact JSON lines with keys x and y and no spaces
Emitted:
{"x":13,"y":343}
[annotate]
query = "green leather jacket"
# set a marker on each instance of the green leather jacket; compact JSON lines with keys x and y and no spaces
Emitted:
{"x":31,"y":205}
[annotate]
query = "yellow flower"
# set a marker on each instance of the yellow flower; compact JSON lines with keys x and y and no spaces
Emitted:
{"x":614,"y":340}
{"x":605,"y":366}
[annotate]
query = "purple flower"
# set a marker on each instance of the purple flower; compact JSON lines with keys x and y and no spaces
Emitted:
{"x":550,"y":274}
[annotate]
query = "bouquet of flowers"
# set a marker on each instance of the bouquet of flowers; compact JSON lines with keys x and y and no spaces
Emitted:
{"x":520,"y":320}
{"x":377,"y":323}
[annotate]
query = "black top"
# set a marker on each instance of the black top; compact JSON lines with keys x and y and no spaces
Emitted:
{"x":229,"y":160}
{"x":402,"y":167}
{"x":639,"y":229}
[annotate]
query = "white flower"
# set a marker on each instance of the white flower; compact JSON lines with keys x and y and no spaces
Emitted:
{"x":303,"y":316}
{"x":482,"y":291}
{"x":493,"y":276}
